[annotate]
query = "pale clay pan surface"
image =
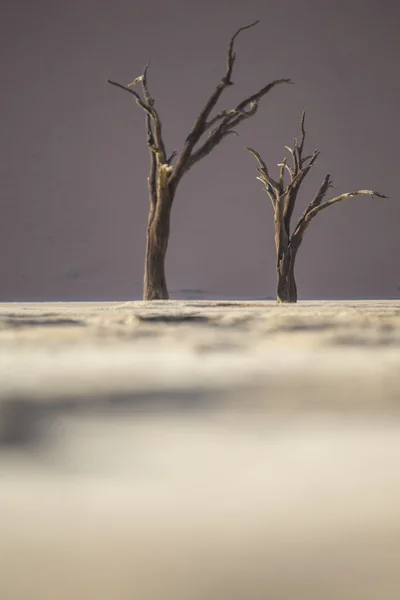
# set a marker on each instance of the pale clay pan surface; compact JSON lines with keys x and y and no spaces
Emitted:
{"x":200,"y":450}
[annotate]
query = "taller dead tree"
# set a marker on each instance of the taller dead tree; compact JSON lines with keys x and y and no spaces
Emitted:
{"x":166,"y":171}
{"x":283,"y":196}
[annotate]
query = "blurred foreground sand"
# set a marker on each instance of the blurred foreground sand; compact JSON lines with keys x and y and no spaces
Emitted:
{"x":200,"y":450}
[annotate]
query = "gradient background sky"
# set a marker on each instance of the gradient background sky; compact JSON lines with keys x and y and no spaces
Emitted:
{"x":74,"y":161}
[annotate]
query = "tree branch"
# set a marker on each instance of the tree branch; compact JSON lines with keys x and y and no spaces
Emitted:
{"x":294,"y":186}
{"x":153,"y":129}
{"x":232,"y":120}
{"x":310,"y":213}
{"x":316,"y":201}
{"x":297,"y":151}
{"x":200,"y":123}
{"x":301,"y":173}
{"x":258,"y":95}
{"x":161,"y":152}
{"x":171,"y":158}
{"x":282,"y":166}
{"x":319,"y":196}
{"x":292,"y":170}
{"x":231,"y":53}
{"x":229,"y":117}
{"x":324,"y":205}
{"x":152,"y":178}
{"x":148,"y":106}
{"x":303,"y":131}
{"x":128,"y":89}
{"x":143,"y":79}
{"x":221,"y":115}
{"x":272,"y":187}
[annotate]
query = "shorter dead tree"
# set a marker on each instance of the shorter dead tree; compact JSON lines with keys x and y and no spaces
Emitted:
{"x":166,"y":171}
{"x":283,"y":196}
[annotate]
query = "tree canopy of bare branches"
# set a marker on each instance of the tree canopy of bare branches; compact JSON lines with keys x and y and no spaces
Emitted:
{"x":283,"y":194}
{"x":167,"y":170}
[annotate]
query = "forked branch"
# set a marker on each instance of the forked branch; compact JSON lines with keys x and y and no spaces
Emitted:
{"x":139,"y":100}
{"x":271,"y":186}
{"x":153,"y":121}
{"x":200,"y":124}
{"x":229,"y":120}
{"x":315,"y":207}
{"x":283,"y":196}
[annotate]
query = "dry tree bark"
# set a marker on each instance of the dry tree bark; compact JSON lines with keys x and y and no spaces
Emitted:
{"x":283,"y":197}
{"x":166,"y":173}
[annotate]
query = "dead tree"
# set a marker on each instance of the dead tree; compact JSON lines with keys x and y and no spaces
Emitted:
{"x":283,"y":197}
{"x":167,"y":171}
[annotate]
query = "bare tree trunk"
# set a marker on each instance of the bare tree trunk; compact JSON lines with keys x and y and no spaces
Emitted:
{"x":158,"y":228}
{"x":286,"y":288}
{"x":155,"y":285}
{"x":286,"y":255}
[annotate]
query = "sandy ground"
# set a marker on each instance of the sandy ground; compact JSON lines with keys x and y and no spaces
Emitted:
{"x":200,"y":450}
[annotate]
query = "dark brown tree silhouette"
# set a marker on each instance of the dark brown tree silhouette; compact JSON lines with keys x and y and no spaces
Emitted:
{"x":166,"y":173}
{"x":283,"y":197}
